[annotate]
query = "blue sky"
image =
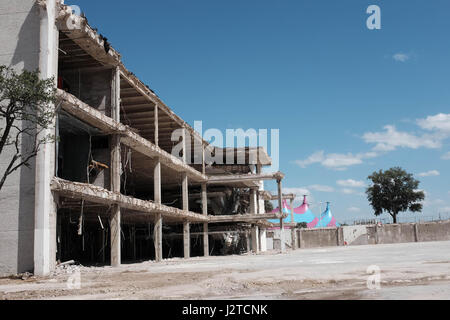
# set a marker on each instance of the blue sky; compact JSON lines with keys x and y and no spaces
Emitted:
{"x":347,"y":100}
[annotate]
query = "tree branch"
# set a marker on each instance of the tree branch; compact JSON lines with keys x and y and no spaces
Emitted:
{"x":6,"y":173}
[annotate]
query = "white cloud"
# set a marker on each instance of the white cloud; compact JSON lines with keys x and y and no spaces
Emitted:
{"x":391,"y":139}
{"x":321,"y":188}
{"x":354,"y":209}
{"x":314,"y":158}
{"x":439,"y":122}
{"x":335,"y":161}
{"x":351,"y":183}
{"x":432,"y":173}
{"x":445,"y":209}
{"x":369,"y":155}
{"x":400,"y":57}
{"x":385,"y":141}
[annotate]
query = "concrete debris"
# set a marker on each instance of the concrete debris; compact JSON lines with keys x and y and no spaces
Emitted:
{"x":67,"y":269}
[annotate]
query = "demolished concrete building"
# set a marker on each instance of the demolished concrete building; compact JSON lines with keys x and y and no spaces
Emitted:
{"x":108,"y":190}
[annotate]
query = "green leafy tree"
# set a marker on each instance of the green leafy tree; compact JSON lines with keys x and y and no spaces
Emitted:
{"x":394,"y":191}
{"x":24,"y":115}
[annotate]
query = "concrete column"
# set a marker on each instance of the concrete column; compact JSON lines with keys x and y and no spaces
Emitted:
{"x":204,"y":200}
{"x":185,"y":192}
{"x":186,"y":152}
{"x":300,"y":239}
{"x":377,"y":239}
{"x":45,"y":210}
{"x":416,"y":232}
{"x":282,"y":233}
{"x":255,"y":230}
{"x":262,"y":240}
{"x":293,"y":230}
{"x":157,"y":182}
{"x":261,"y":210}
{"x":253,"y":204}
{"x":203,"y":159}
{"x":186,"y":225}
{"x":157,"y":237}
{"x":294,"y":238}
{"x":187,"y":240}
{"x":341,"y":236}
{"x":115,"y":236}
{"x":338,"y":241}
{"x":205,"y":225}
{"x":280,"y":205}
{"x":156,"y":124}
{"x":184,"y":182}
{"x":260,"y":206}
{"x":115,"y":219}
{"x":255,"y":239}
{"x":116,"y":98}
{"x":59,"y":238}
{"x":157,"y":231}
{"x":206,"y":239}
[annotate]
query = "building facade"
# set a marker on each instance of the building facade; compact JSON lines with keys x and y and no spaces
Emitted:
{"x":109,"y":188}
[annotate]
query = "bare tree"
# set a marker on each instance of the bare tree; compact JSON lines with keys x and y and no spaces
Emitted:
{"x":25,"y":112}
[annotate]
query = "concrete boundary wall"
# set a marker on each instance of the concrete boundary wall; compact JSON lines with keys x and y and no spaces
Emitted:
{"x":323,"y":237}
{"x":366,"y":235}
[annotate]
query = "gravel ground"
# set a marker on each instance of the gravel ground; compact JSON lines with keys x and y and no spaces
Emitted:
{"x":406,"y":271}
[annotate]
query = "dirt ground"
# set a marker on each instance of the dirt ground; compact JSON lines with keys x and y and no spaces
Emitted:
{"x":406,"y":271}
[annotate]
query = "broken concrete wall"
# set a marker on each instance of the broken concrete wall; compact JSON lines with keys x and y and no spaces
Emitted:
{"x":19,"y":38}
{"x":273,"y":239}
{"x":371,"y":235}
{"x":397,"y":233}
{"x":355,"y":235}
